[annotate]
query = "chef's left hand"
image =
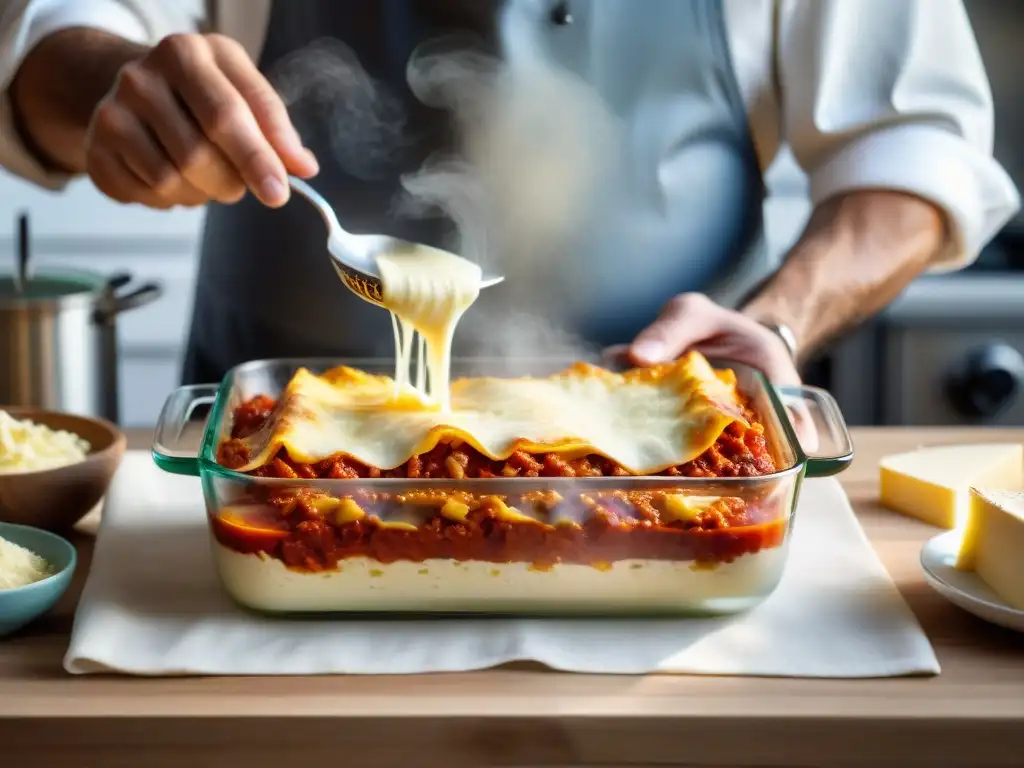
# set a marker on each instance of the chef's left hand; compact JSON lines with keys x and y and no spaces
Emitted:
{"x":692,"y":321}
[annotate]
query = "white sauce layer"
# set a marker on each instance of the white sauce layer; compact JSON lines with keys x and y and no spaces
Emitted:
{"x":362,"y":584}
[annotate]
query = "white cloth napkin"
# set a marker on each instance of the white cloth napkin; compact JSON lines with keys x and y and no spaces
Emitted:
{"x":153,"y":606}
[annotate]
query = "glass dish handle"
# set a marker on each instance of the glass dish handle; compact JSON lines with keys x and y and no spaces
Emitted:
{"x":820,"y":427}
{"x":179,"y":431}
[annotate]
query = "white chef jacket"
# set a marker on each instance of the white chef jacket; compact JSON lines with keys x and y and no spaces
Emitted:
{"x":868,"y":94}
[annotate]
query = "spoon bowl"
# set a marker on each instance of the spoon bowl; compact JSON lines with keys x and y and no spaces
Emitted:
{"x":354,"y":257}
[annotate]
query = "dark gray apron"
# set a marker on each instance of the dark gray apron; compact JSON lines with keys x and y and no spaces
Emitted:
{"x":266,"y":289}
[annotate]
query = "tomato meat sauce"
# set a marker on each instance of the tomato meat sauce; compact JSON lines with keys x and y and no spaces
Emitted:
{"x":309,"y":529}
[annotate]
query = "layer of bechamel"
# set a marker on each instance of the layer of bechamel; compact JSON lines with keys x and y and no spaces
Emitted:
{"x":363,"y":584}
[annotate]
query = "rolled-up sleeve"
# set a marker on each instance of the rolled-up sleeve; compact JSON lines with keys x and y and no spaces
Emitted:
{"x":877,"y":94}
{"x":23,"y":23}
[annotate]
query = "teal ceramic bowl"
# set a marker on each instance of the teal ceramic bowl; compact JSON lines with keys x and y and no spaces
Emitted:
{"x":22,"y":605}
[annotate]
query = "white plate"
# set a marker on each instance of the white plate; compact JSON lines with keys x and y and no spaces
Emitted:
{"x":963,"y":588}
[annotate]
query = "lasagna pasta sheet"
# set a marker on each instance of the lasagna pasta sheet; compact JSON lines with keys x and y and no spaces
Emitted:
{"x":646,"y":420}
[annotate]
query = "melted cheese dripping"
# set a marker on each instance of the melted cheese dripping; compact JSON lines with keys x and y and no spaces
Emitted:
{"x":400,"y":373}
{"x":427,"y":291}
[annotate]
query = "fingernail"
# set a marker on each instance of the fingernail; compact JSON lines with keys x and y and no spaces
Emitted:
{"x":651,"y":351}
{"x":273,"y":191}
{"x":314,"y":166}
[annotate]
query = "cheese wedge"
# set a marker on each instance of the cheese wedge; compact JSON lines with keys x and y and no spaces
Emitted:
{"x":993,"y":543}
{"x":932,"y":484}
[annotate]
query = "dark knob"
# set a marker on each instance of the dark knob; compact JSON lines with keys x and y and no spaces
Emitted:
{"x":561,"y":14}
{"x":987,"y":382}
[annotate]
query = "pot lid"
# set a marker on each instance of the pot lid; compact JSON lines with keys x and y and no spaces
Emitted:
{"x":51,"y":286}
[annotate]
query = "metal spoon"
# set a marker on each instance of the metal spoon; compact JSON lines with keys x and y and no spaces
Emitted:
{"x":355,"y":256}
{"x":21,"y":267}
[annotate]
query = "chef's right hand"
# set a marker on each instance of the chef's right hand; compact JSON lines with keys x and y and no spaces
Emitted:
{"x":192,"y":121}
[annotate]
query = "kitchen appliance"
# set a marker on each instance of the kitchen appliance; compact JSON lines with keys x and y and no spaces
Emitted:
{"x":950,"y":350}
{"x":58,"y":339}
{"x":237,"y":501}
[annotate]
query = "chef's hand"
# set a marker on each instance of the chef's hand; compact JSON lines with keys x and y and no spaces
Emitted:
{"x":691,"y":321}
{"x":192,"y":121}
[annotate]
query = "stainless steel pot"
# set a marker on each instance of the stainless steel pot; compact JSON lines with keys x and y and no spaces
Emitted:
{"x":58,"y":339}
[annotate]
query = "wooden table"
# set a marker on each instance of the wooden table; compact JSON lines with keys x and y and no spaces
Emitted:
{"x":972,"y":714}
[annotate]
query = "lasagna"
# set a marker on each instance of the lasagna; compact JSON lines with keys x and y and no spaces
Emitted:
{"x":528,"y":438}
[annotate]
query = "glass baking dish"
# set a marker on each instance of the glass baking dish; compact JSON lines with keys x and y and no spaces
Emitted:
{"x":686,"y":572}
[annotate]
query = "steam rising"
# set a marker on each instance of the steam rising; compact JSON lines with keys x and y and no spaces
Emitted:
{"x":330,"y":92}
{"x":533,"y":146}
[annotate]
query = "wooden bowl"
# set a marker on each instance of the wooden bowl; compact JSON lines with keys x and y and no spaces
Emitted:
{"x":56,"y":499}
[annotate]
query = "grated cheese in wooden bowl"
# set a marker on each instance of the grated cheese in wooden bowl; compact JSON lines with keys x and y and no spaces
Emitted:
{"x":26,"y":446}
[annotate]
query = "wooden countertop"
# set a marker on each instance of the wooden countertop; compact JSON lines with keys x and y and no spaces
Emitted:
{"x":972,"y":714}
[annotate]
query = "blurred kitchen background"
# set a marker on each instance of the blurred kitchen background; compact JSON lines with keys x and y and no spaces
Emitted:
{"x":949,"y":351}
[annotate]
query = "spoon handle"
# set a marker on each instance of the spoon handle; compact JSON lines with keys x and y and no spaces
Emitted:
{"x":325,"y":209}
{"x":361,"y":282}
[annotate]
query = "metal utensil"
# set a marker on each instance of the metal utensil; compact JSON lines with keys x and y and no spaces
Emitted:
{"x":21,"y":268}
{"x":355,"y":256}
{"x":58,"y":342}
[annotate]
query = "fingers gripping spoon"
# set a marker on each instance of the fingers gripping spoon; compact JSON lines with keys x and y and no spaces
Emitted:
{"x":355,"y":256}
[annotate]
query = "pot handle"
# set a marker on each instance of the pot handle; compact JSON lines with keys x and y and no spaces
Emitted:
{"x":118,"y":280}
{"x":820,"y":428}
{"x":180,"y":428}
{"x":140,"y":297}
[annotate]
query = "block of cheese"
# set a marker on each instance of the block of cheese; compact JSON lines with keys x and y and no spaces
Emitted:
{"x":993,"y":543}
{"x":932,"y":483}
